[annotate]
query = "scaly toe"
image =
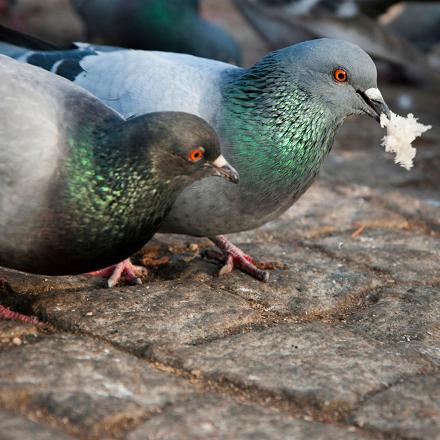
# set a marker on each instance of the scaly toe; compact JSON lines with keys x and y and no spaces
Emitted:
{"x":228,"y":267}
{"x":215,"y":255}
{"x":15,"y":316}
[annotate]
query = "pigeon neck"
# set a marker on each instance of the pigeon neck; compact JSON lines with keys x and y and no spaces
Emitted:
{"x":277,"y":135}
{"x":114,"y":200}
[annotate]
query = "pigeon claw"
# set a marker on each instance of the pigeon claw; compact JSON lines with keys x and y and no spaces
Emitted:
{"x":233,"y":257}
{"x":125,"y":269}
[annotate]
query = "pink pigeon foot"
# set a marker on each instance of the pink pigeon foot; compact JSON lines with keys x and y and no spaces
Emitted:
{"x":125,"y":269}
{"x":232,"y":257}
{"x":9,"y":314}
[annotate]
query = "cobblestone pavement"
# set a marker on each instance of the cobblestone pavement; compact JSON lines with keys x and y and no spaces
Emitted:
{"x":343,"y":343}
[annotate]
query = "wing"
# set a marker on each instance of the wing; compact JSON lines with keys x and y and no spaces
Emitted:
{"x":37,"y":108}
{"x":132,"y":82}
{"x":29,"y":139}
{"x":136,"y":82}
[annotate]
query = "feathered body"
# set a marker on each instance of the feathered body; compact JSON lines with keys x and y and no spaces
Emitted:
{"x":276,"y":134}
{"x":276,"y":120}
{"x":82,"y":188}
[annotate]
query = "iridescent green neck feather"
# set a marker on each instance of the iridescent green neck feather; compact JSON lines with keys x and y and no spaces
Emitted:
{"x":278,"y":135}
{"x":112,"y":199}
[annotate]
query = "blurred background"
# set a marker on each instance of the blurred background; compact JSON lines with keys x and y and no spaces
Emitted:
{"x":402,"y":37}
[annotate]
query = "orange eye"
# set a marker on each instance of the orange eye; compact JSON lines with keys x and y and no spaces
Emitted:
{"x":196,"y":154}
{"x":340,"y":75}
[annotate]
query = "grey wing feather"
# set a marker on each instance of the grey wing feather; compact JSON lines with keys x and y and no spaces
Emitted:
{"x":136,"y":82}
{"x":32,"y":143}
{"x":29,"y":136}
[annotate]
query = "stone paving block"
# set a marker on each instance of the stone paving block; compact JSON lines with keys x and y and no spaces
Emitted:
{"x":319,"y":368}
{"x":409,"y":410}
{"x":17,"y":333}
{"x":13,"y":427}
{"x":407,"y":256}
{"x":159,"y":313}
{"x":83,"y":384}
{"x":324,"y":210}
{"x":414,"y":205}
{"x":21,"y":283}
{"x":408,"y":316}
{"x":211,"y":417}
{"x":311,"y":283}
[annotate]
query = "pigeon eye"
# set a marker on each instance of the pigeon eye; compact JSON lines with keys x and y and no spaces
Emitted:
{"x":196,"y":154}
{"x":340,"y":75}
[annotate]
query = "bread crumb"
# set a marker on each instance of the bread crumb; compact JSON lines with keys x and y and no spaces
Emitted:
{"x":401,"y":132}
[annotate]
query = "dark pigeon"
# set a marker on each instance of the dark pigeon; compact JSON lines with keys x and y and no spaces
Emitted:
{"x":83,"y":188}
{"x":169,"y":25}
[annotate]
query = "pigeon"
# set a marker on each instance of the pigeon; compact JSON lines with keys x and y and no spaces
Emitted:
{"x":276,"y":121}
{"x":283,"y":24}
{"x":168,"y":25}
{"x":8,"y":13}
{"x":82,"y":187}
{"x":418,"y":23}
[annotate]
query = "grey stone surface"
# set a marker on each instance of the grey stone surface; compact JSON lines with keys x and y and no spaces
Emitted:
{"x":407,"y":256}
{"x":14,"y":333}
{"x":409,"y":410}
{"x":419,"y":208}
{"x":407,"y":316}
{"x":321,"y":369}
{"x":311,"y":283}
{"x":342,"y":344}
{"x":26,"y":284}
{"x":328,"y":209}
{"x":168,"y":313}
{"x":211,"y":417}
{"x":14,"y":427}
{"x":84,"y":384}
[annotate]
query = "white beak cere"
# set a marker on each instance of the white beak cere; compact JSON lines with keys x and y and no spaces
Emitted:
{"x":220,"y":162}
{"x":374,"y":94}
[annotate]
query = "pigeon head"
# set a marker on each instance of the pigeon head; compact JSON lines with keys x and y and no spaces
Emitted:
{"x":186,"y":147}
{"x":337,"y":73}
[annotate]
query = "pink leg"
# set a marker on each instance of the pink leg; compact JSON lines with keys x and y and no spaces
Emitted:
{"x":125,"y":269}
{"x":9,"y":314}
{"x":233,"y":257}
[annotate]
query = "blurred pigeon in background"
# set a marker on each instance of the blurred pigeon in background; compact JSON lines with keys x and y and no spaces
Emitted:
{"x":9,"y":14}
{"x":276,"y":120}
{"x":82,"y":188}
{"x":169,"y":25}
{"x":282,"y":23}
{"x":416,"y":22}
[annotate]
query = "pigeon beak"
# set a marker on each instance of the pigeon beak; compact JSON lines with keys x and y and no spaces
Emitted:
{"x":224,"y":169}
{"x":375,"y":103}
